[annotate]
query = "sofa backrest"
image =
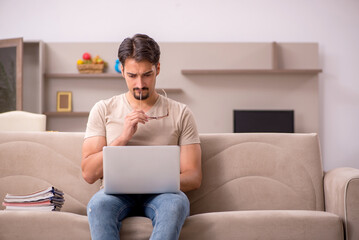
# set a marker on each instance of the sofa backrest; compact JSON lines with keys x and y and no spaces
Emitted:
{"x":30,"y":161}
{"x":259,"y":171}
{"x":240,"y":171}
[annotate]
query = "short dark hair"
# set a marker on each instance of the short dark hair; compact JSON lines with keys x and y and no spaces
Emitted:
{"x":140,"y":47}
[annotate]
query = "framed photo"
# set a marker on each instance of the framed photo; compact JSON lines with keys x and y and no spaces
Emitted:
{"x":64,"y":102}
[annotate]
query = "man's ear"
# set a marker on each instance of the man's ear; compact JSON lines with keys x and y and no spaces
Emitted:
{"x":158,"y":68}
{"x":122,"y":72}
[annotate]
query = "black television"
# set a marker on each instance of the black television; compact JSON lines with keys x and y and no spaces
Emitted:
{"x":246,"y":121}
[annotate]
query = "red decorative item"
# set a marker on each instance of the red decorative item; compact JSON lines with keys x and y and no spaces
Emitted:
{"x":86,"y":56}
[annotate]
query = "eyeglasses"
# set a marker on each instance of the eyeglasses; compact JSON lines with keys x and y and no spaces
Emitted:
{"x":159,"y":117}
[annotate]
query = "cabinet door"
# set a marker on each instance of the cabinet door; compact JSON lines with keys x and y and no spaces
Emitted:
{"x":11,"y":52}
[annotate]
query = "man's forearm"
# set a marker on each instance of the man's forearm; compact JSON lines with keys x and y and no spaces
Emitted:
{"x":120,"y":141}
{"x":92,"y":169}
{"x":190,"y":180}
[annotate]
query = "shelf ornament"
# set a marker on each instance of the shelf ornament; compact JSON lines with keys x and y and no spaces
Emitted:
{"x":90,"y":65}
{"x":64,"y":102}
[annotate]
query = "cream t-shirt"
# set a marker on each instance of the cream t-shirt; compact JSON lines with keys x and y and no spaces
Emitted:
{"x":107,"y":119}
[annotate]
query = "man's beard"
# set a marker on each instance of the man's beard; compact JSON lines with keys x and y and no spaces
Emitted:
{"x":137,"y":92}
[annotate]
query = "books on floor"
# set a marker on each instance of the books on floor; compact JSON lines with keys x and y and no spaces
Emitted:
{"x":49,"y":199}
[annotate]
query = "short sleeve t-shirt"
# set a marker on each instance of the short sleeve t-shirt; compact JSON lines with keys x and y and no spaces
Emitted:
{"x":107,"y":119}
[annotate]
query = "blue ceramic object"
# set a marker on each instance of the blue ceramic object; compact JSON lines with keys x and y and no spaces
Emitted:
{"x":117,"y":66}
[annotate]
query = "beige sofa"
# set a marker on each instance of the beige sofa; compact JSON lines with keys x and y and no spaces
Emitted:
{"x":255,"y":186}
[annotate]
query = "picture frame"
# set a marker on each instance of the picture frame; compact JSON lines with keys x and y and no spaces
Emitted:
{"x":64,"y":101}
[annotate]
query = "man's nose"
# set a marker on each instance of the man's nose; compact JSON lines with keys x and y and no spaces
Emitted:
{"x":140,"y":83}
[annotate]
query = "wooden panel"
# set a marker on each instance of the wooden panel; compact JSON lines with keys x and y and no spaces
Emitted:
{"x":298,"y":56}
{"x":226,"y":55}
{"x":32,"y":89}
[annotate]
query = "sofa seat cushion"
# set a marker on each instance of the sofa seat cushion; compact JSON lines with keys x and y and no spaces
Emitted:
{"x":17,"y":225}
{"x":266,"y":225}
{"x":249,"y":225}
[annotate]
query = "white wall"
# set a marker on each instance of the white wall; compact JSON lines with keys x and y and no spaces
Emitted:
{"x":331,"y":23}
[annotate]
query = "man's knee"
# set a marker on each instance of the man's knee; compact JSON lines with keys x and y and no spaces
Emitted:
{"x":95,"y":203}
{"x":182,"y":204}
{"x":176,"y":204}
{"x":100,"y":202}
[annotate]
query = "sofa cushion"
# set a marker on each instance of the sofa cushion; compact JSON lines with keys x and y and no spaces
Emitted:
{"x":35,"y":225}
{"x":31,"y":161}
{"x":264,"y":225}
{"x":249,"y":225}
{"x":259,"y":172}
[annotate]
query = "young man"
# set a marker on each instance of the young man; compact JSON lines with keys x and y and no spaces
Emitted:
{"x":140,"y":117}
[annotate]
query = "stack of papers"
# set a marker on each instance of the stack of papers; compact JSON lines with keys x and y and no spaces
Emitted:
{"x":49,"y":199}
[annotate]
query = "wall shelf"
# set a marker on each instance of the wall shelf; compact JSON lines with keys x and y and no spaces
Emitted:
{"x":82,"y":75}
{"x":249,"y":71}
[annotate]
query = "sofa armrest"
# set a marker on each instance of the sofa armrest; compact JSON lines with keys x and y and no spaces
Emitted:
{"x":341,"y":189}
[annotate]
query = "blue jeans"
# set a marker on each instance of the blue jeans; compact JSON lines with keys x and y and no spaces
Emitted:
{"x":168,"y":211}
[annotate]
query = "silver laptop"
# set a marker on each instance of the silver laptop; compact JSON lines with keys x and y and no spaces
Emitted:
{"x":141,"y":169}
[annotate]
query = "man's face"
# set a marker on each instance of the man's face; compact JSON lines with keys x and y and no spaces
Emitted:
{"x":140,"y":77}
